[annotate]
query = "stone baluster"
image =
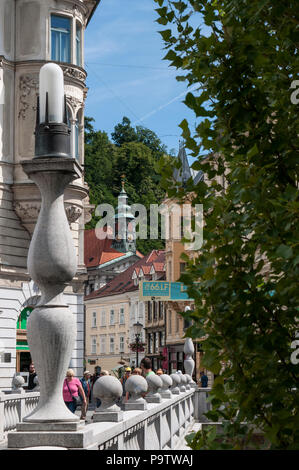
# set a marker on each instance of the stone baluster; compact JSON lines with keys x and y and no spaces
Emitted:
{"x":176,"y":379}
{"x":136,"y":386}
{"x":183,"y":382}
{"x":167,"y":383}
{"x":109,"y":390}
{"x":154,"y":383}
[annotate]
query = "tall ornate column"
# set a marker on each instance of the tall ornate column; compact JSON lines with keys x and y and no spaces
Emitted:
{"x":52,"y":264}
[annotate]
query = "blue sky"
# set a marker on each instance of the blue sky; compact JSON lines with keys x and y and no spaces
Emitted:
{"x":126,"y":73}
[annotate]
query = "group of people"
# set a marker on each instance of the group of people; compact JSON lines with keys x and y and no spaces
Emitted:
{"x":75,"y":390}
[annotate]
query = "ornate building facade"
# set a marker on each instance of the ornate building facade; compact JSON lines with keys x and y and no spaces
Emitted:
{"x":33,"y":32}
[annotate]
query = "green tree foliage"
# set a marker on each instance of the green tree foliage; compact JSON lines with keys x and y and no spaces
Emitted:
{"x":125,"y":133}
{"x":243,"y":57}
{"x":135,"y":155}
{"x":100,"y":157}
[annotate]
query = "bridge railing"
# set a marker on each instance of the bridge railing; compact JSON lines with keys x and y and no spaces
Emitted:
{"x":14,"y":407}
{"x":161,"y":426}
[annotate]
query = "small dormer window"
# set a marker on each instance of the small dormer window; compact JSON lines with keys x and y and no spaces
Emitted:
{"x":60,"y":38}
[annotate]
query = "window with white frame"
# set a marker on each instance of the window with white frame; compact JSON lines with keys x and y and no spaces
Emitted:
{"x":60,"y":38}
{"x":112,"y":317}
{"x":103,"y":318}
{"x":94,"y":319}
{"x":112,"y":344}
{"x":102,"y":344}
{"x":122,"y":316}
{"x":93,"y":345}
{"x":121,"y":344}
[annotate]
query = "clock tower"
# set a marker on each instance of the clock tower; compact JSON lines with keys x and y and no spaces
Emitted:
{"x":125,"y":234}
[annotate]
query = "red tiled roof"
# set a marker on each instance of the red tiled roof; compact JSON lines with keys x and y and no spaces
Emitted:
{"x":123,"y":282}
{"x":159,"y":267}
{"x":146,"y":269}
{"x":99,"y":251}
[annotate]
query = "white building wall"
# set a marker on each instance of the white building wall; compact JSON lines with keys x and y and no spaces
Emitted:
{"x":12,"y":302}
{"x":24,"y":46}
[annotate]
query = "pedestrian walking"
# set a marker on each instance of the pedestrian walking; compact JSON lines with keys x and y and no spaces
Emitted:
{"x":137,"y":371}
{"x":159,"y":372}
{"x":125,"y":395}
{"x":86,"y":385}
{"x":146,"y":366}
{"x":71,"y":389}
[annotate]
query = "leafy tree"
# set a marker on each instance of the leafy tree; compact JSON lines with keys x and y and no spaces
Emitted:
{"x":125,"y":133}
{"x":100,"y":156}
{"x":106,"y":163}
{"x":243,"y":58}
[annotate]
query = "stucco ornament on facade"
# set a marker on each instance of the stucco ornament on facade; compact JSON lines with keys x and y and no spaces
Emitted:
{"x":26,"y":85}
{"x":28,"y":211}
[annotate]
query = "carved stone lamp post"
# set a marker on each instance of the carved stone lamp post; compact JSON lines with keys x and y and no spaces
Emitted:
{"x":52,"y":260}
{"x":137,"y":328}
{"x":189,"y":351}
{"x":189,"y":361}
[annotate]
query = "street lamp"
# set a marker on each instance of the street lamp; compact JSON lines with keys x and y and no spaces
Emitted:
{"x":137,"y":331}
{"x":52,"y":263}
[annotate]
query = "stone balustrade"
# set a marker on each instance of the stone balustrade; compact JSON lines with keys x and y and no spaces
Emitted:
{"x":156,"y":426}
{"x":14,"y":407}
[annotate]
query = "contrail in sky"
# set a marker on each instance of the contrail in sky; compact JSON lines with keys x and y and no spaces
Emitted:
{"x":163,"y":105}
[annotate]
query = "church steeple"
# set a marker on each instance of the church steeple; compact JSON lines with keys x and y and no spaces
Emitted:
{"x":125,"y":235}
{"x":182,"y":174}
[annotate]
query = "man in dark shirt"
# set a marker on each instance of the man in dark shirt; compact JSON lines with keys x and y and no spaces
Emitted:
{"x":203,"y":379}
{"x":32,"y":375}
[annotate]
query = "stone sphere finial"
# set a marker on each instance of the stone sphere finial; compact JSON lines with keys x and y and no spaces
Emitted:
{"x":154,"y":384}
{"x":108,"y":389}
{"x":189,"y":380}
{"x":176,"y":379}
{"x":136,"y":386}
{"x":183,"y":383}
{"x":167,"y":383}
{"x":17,"y":383}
